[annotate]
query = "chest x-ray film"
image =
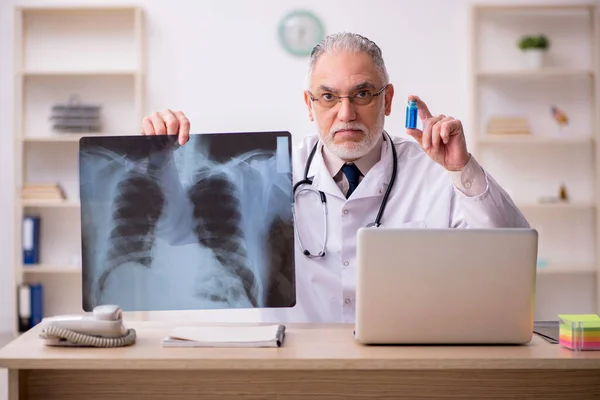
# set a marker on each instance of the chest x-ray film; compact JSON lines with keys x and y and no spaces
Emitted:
{"x":206,"y":225}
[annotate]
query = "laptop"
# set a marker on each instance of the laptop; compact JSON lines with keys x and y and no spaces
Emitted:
{"x":445,"y":286}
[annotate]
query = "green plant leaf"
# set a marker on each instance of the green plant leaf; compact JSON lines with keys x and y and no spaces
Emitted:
{"x":534,"y":42}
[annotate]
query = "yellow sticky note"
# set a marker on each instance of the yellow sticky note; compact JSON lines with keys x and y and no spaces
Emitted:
{"x":579,"y":317}
{"x":588,"y":322}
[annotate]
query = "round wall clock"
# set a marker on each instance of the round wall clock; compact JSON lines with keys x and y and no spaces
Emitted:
{"x":300,"y":31}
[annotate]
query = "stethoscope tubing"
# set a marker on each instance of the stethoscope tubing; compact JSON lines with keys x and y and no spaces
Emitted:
{"x":307,"y":181}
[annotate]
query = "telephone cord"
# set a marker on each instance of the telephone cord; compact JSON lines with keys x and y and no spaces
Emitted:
{"x":52,"y":332}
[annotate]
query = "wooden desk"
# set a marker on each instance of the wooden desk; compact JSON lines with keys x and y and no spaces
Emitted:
{"x":320,"y":362}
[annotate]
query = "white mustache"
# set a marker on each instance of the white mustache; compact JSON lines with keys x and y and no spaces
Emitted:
{"x":351,"y":126}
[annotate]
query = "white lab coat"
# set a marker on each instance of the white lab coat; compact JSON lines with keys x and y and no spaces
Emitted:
{"x":422,"y":196}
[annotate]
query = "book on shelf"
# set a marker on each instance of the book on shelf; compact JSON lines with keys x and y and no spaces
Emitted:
{"x":508,"y":125}
{"x":43,"y":192}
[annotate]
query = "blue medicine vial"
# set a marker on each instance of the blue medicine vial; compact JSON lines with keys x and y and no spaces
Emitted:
{"x":412,"y":112}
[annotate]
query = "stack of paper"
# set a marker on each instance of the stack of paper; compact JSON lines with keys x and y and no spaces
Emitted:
{"x":580,"y":331}
{"x":226,"y":336}
{"x":508,"y":125}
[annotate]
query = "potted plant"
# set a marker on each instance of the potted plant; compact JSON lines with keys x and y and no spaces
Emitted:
{"x":535,"y":49}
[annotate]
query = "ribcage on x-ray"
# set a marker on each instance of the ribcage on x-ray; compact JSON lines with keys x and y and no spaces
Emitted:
{"x":217,"y":216}
{"x":136,"y":208}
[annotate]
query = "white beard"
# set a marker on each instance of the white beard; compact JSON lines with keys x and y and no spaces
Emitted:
{"x":350,"y":150}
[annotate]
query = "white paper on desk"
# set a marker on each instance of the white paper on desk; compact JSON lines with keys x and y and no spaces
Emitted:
{"x":226,"y":336}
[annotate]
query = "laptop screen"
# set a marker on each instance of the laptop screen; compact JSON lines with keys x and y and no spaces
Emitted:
{"x":206,"y":225}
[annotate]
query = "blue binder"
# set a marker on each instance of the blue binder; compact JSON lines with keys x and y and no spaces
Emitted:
{"x":37,"y":303}
{"x":31,"y":239}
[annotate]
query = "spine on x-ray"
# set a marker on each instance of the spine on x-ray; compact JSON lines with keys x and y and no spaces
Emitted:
{"x":217,"y":226}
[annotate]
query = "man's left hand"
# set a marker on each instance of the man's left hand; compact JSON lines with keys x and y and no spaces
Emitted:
{"x":442,"y":138}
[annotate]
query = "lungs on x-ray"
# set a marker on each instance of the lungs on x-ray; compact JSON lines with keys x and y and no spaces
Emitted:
{"x":201,"y":226}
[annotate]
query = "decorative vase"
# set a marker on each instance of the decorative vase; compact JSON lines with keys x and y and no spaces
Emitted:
{"x":534,"y":58}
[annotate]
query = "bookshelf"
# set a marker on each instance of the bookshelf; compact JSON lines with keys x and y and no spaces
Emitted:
{"x":95,"y":53}
{"x":532,"y":166}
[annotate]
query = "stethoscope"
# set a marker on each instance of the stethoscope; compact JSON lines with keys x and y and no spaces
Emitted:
{"x":309,"y":182}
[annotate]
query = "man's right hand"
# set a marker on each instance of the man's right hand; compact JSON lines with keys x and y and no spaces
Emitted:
{"x":167,"y":122}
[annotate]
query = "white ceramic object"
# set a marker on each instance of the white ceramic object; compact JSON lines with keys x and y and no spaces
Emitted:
{"x":534,"y":58}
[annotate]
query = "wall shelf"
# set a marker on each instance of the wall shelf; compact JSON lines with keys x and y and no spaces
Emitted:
{"x":533,"y":166}
{"x":48,"y":70}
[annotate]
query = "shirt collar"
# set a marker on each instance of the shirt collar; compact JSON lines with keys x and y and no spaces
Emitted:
{"x":334,"y":164}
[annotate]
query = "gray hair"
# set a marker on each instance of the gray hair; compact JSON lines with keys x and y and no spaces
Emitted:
{"x":352,"y":42}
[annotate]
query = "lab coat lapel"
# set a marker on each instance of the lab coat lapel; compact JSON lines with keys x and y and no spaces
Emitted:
{"x":319,"y":173}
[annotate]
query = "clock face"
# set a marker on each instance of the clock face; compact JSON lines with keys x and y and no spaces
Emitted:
{"x":300,"y":31}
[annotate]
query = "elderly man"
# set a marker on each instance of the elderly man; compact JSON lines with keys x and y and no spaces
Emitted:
{"x":366,"y":175}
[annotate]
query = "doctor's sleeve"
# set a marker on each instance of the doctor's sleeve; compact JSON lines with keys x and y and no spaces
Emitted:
{"x":478,"y":201}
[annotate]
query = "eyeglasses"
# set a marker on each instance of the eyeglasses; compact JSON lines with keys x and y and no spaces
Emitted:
{"x":361,"y":98}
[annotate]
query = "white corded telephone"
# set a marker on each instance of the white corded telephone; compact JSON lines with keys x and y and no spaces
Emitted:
{"x":102,"y":328}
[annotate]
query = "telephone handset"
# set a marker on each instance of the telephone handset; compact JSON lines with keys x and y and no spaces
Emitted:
{"x":102,"y":328}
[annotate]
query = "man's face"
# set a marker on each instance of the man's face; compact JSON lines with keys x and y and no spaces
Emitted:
{"x":347,"y":129}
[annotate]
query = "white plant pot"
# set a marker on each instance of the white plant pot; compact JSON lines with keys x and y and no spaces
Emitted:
{"x":534,"y":58}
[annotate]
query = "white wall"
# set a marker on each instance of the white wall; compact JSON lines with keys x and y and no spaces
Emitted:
{"x":220,"y":62}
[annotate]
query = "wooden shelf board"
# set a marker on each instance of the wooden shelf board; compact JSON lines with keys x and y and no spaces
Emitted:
{"x":91,"y":73}
{"x":536,"y":73}
{"x":57,"y":138}
{"x":566,"y":269}
{"x":50,"y":203}
{"x":62,"y":137}
{"x":83,"y":7}
{"x":51,"y":269}
{"x":534,"y":7}
{"x":557,"y":206}
{"x":533,"y":139}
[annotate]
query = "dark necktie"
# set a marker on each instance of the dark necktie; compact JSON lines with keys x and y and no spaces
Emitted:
{"x":352,"y":173}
